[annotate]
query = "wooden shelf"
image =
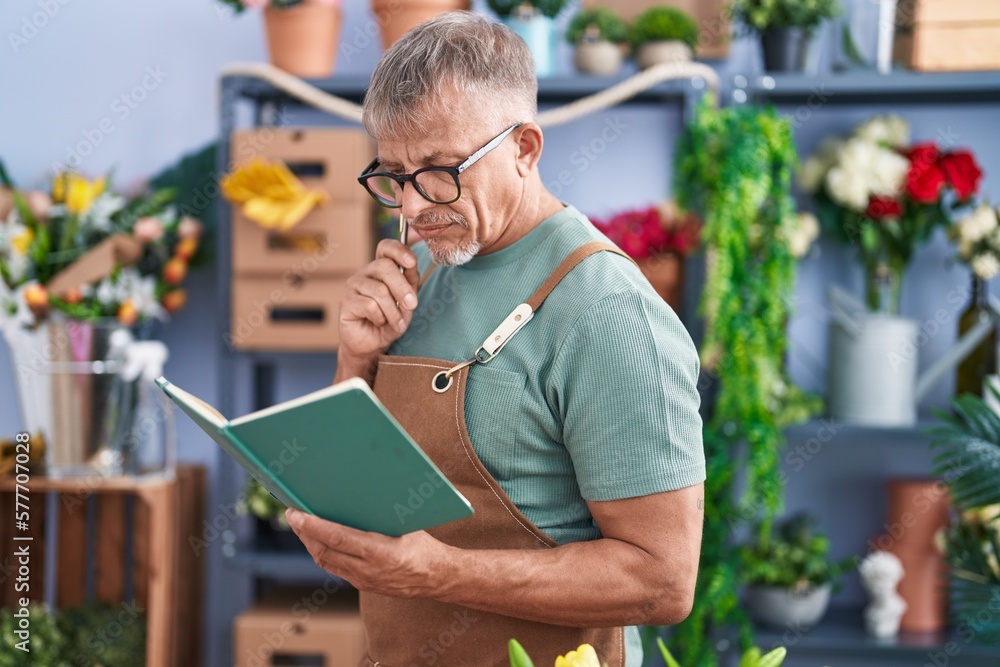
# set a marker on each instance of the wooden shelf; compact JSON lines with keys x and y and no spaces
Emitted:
{"x":94,"y":483}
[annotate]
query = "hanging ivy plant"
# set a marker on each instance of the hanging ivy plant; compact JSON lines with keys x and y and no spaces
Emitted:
{"x":734,"y":167}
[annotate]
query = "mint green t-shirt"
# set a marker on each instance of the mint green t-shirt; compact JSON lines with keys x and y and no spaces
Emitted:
{"x":595,"y":398}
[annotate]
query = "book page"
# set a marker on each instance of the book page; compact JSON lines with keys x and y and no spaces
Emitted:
{"x":340,"y":387}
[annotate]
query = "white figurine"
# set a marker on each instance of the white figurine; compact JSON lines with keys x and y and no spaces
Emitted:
{"x":880,"y":573}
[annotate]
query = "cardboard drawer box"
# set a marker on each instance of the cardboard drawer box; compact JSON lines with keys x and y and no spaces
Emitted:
{"x":286,"y":312}
{"x":301,"y":626}
{"x":947,"y":35}
{"x":329,"y":159}
{"x":332,"y":240}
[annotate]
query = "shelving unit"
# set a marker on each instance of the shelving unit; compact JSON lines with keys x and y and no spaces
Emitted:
{"x":840,"y":635}
{"x":245,"y":563}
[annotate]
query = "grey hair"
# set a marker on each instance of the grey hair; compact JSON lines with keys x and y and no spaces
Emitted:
{"x":461,"y":50}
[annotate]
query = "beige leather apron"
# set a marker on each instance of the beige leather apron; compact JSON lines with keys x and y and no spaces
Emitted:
{"x":424,"y":632}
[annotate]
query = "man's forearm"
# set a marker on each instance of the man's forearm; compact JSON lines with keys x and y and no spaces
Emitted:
{"x":597,"y":583}
{"x":349,"y":367}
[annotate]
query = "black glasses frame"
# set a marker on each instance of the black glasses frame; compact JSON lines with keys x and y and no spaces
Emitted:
{"x":403,"y":179}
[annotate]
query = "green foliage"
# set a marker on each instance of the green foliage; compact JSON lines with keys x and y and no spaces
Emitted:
{"x":733,"y":167}
{"x":776,"y":14}
{"x":261,"y":503}
{"x":518,"y":656}
{"x":90,"y":635}
{"x":798,"y":558}
{"x":663,"y":23}
{"x":47,"y":645}
{"x":549,"y":8}
{"x":968,"y":452}
{"x":193,"y":179}
{"x":751,"y":657}
{"x":607,"y":23}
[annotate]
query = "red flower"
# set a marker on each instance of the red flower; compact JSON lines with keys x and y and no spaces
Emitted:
{"x":925,"y":179}
{"x":883,"y":208}
{"x":962,"y":172}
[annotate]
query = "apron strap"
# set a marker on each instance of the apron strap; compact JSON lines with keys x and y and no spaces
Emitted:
{"x":523,"y":313}
{"x":567,"y":265}
{"x":427,"y":274}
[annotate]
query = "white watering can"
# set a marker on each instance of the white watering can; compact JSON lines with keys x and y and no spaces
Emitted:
{"x":872,"y":361}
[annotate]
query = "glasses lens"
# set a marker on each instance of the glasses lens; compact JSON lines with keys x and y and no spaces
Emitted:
{"x":438,"y":185}
{"x":385,"y":189}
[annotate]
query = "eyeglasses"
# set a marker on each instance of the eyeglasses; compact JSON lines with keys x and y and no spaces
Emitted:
{"x":438,"y":185}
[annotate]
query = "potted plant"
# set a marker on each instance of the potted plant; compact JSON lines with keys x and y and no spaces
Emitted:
{"x":967,"y":456}
{"x":885,"y":197}
{"x":663,"y":34}
{"x":597,"y":36}
{"x":273,"y":530}
{"x":534,"y":21}
{"x":302,"y":35}
{"x":84,"y":272}
{"x":658,"y":238}
{"x":397,"y":17}
{"x":789,"y":574}
{"x":785,"y":27}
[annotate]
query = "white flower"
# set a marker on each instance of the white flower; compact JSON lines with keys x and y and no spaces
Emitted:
{"x":888,"y":172}
{"x":805,"y":231}
{"x":848,"y":187}
{"x":106,"y":293}
{"x":142,"y":292}
{"x":98,"y":216}
{"x":985,"y":266}
{"x":891,"y":130}
{"x":977,"y":225}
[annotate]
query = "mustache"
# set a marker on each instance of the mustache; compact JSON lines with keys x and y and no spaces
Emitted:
{"x":437,"y":219}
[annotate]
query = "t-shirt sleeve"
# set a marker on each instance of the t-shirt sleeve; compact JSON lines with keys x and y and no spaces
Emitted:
{"x":625,"y":385}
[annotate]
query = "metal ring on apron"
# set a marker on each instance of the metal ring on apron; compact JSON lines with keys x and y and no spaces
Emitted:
{"x":436,"y":383}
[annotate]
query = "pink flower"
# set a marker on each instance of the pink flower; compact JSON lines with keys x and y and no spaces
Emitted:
{"x":147,"y":230}
{"x":189,"y":227}
{"x":256,"y":4}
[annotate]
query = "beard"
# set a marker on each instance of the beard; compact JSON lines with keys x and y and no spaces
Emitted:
{"x":448,"y":253}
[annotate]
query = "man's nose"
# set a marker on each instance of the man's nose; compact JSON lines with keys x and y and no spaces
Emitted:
{"x":413,"y":202}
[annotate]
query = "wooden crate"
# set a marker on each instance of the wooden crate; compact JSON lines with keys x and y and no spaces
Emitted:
{"x":301,"y":626}
{"x":326,"y":158}
{"x":167,"y":573}
{"x":947,"y":35}
{"x":711,"y":16}
{"x":335,"y":239}
{"x":286,"y":312}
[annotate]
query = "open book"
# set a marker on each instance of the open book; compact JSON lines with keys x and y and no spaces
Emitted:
{"x":336,"y":453}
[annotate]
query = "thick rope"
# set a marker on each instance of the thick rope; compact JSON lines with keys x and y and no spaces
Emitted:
{"x":604,"y":99}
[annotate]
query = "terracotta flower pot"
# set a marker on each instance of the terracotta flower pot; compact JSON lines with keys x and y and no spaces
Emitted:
{"x":302,"y":40}
{"x":666,"y":274}
{"x":654,"y":53}
{"x":397,"y":17}
{"x":917,"y":509}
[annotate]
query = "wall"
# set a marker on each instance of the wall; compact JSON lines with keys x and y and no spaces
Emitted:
{"x":133,"y":86}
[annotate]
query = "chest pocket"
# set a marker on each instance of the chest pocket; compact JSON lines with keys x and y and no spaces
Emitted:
{"x":495,"y":410}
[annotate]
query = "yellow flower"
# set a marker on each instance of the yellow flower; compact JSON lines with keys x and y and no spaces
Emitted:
{"x":76,"y":191}
{"x":583,"y":656}
{"x":22,"y":241}
{"x":271,"y":194}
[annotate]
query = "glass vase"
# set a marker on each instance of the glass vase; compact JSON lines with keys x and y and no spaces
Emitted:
{"x":883,"y":289}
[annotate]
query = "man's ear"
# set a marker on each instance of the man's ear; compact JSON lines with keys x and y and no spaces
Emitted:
{"x":529,"y":147}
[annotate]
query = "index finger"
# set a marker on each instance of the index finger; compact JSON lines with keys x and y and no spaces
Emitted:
{"x":337,"y":536}
{"x":403,"y":256}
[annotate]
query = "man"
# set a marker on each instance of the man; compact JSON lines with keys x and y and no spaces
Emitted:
{"x":573,"y":428}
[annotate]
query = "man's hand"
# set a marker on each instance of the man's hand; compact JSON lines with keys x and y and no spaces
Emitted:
{"x":397,"y":566}
{"x":376,"y":309}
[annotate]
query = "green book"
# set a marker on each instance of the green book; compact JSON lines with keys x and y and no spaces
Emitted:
{"x":336,"y":453}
